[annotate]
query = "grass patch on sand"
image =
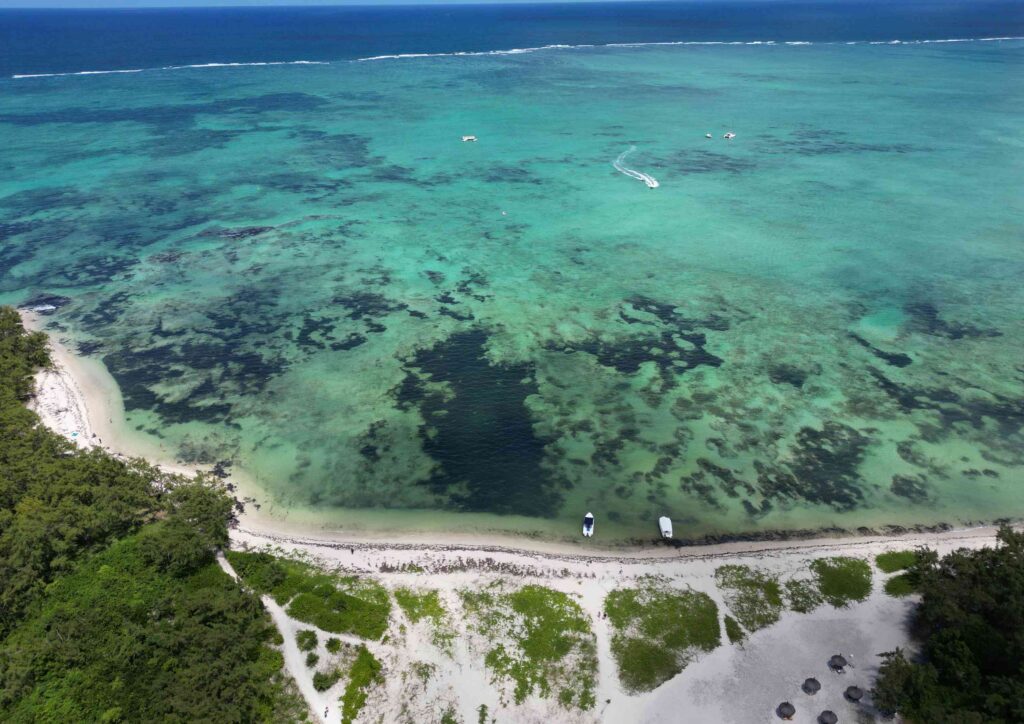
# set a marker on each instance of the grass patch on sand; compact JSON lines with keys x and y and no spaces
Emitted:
{"x":842,"y":579}
{"x":426,"y":605}
{"x":802,"y":595}
{"x":420,"y":605}
{"x":901,"y":585}
{"x":895,"y":561}
{"x":658,"y":631}
{"x":365,"y":672}
{"x":330,"y":601}
{"x":539,"y":639}
{"x":733,"y":630}
{"x":753,"y":596}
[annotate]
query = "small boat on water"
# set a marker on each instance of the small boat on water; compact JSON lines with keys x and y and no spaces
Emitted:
{"x":729,"y":136}
{"x":707,"y":135}
{"x":588,"y":525}
{"x":665,"y":526}
{"x":468,"y":138}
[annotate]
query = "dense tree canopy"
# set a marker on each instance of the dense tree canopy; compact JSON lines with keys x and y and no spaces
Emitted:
{"x":971,"y":622}
{"x":112,"y":607}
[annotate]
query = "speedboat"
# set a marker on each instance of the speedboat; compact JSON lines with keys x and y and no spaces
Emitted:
{"x":468,"y":138}
{"x":729,"y":136}
{"x":707,"y":135}
{"x":665,"y":526}
{"x":588,"y":525}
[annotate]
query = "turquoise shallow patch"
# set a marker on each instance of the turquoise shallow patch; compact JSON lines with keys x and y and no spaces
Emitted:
{"x":303,"y":270}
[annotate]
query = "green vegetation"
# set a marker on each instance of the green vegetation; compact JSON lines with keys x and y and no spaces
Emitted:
{"x":324,"y":680}
{"x":481,"y":714}
{"x":755,"y":597}
{"x":112,"y":607}
{"x":901,"y":585}
{"x":418,"y":606}
{"x":312,"y":659}
{"x":306,"y":639}
{"x":540,"y":639}
{"x":365,"y":672}
{"x":658,"y":631}
{"x":733,"y":630}
{"x":333,"y":645}
{"x":802,"y":596}
{"x":329,"y":601}
{"x":970,"y":620}
{"x":895,"y":561}
{"x":449,"y":716}
{"x":842,"y":579}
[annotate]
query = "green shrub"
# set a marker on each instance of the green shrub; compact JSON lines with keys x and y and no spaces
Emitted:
{"x":842,"y":579}
{"x":324,"y":680}
{"x":333,"y":645}
{"x":306,"y":639}
{"x":331,"y":602}
{"x":366,"y":671}
{"x":969,"y":620}
{"x":312,"y":659}
{"x":895,"y":560}
{"x":657,"y":632}
{"x":901,"y":585}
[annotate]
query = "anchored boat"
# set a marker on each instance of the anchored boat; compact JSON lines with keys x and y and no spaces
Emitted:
{"x":665,"y":525}
{"x":588,"y":525}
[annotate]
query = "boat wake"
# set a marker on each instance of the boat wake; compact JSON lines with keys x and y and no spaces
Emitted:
{"x":652,"y":183}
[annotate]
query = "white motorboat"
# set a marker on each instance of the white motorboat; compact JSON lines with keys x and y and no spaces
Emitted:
{"x":468,"y":138}
{"x":588,"y":525}
{"x":665,"y":525}
{"x":707,"y":135}
{"x":729,"y":136}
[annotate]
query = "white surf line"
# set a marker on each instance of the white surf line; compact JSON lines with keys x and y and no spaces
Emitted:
{"x":652,"y":183}
{"x":198,"y":66}
{"x":520,"y":51}
{"x":651,"y":44}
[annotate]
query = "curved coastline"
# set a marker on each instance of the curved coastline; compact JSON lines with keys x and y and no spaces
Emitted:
{"x":78,"y":399}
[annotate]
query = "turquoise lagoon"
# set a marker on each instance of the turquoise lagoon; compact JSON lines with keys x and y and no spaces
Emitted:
{"x":303,"y":271}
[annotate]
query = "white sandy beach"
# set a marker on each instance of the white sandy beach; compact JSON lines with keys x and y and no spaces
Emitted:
{"x":735,"y":683}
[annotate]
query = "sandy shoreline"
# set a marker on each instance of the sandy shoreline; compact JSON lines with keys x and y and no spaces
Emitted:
{"x":78,"y":399}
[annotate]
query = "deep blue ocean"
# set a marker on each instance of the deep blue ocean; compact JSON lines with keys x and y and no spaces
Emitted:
{"x":62,"y":41}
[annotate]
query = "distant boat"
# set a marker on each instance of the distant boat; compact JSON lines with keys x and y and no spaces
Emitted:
{"x":588,"y":525}
{"x":468,"y":138}
{"x":665,"y":525}
{"x":729,"y":136}
{"x":707,"y":135}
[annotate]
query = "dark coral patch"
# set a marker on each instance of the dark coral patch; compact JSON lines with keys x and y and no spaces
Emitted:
{"x":896,"y":359}
{"x":482,"y":437}
{"x":925,"y":319}
{"x":912,"y":487}
{"x":822,"y":467}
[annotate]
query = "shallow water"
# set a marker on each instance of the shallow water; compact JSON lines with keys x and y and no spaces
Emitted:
{"x":304,"y":271}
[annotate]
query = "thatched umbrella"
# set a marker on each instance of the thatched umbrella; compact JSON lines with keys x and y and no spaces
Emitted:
{"x":854,"y":693}
{"x":811,"y":686}
{"x":785,"y":710}
{"x":837,"y":663}
{"x":827,"y":717}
